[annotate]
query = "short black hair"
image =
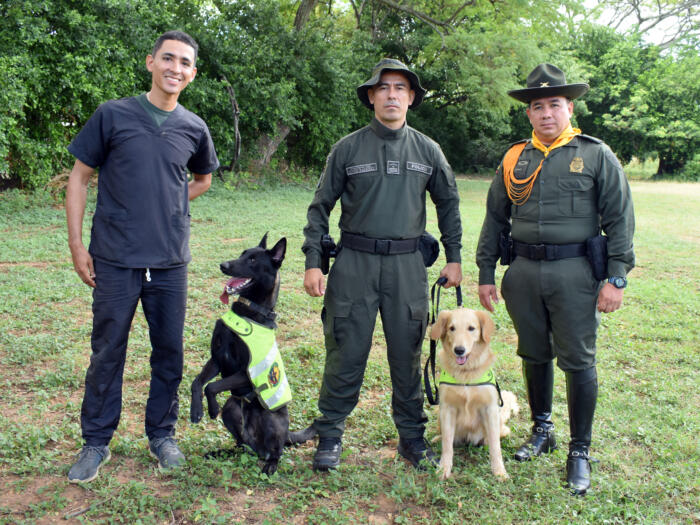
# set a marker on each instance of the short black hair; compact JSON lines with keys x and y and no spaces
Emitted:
{"x":176,"y":35}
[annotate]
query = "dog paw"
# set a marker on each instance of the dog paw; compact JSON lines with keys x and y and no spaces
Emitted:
{"x":445,"y":471}
{"x":501,"y":476}
{"x":196,"y":412}
{"x":213,"y":410}
{"x":270,"y":467}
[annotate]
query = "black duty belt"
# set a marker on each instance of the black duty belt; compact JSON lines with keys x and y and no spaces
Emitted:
{"x":549,"y":252}
{"x":378,"y":246}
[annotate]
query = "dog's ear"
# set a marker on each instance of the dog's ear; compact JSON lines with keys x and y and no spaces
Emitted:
{"x":439,"y":326}
{"x":263,"y":241}
{"x":278,"y":250}
{"x":487,"y":326}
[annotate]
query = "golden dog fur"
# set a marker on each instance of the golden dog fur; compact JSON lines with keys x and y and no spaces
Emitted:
{"x":470,"y":413}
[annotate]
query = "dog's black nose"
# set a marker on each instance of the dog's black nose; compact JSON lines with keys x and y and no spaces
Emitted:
{"x":460,"y":350}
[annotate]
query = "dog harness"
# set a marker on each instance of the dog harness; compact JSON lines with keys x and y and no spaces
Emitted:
{"x":265,"y":369}
{"x":488,"y":378}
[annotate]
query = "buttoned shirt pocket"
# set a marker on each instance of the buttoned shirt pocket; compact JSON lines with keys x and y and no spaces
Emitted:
{"x":577,"y":195}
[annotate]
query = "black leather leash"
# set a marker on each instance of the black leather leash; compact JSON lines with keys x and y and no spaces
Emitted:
{"x":430,"y":363}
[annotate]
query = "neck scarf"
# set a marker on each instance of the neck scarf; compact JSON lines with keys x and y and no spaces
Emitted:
{"x":519,"y":190}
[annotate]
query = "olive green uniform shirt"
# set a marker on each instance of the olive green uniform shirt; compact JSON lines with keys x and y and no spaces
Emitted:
{"x":381,"y":176}
{"x":580,"y":189}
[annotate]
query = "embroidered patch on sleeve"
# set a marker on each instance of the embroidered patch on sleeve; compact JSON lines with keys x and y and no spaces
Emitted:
{"x":392,"y":167}
{"x":415,"y":166}
{"x":361,"y":168}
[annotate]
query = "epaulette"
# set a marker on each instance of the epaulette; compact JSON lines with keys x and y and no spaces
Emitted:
{"x":592,"y":139}
{"x":517,"y":142}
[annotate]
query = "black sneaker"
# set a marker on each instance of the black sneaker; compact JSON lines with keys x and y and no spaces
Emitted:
{"x":87,"y":467}
{"x":327,"y":455}
{"x":166,"y":451}
{"x":418,"y":452}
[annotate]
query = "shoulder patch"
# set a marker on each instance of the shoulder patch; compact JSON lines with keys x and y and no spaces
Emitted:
{"x":592,"y":139}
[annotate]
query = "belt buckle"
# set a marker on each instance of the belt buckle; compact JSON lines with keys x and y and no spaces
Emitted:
{"x":381,"y":246}
{"x":538,"y":251}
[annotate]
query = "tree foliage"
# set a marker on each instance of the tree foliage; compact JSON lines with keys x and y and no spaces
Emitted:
{"x":293,"y":66}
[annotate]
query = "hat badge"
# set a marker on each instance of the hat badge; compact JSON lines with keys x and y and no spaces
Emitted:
{"x":544,"y":84}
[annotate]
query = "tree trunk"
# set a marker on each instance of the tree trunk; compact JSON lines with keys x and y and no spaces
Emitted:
{"x":267,"y":146}
{"x":303,"y":13}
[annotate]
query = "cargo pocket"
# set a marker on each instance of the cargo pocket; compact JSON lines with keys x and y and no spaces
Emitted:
{"x":419,"y":321}
{"x":336,"y":322}
{"x":576,"y":197}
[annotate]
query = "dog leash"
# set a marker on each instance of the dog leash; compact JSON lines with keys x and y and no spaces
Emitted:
{"x":430,"y":363}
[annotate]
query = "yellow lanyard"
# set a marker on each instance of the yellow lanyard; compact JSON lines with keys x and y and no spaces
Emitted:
{"x":519,"y":190}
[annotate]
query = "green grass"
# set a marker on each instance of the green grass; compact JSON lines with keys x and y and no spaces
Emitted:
{"x":645,"y":433}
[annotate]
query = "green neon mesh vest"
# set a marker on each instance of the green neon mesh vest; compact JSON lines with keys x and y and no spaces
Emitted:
{"x":266,"y":369}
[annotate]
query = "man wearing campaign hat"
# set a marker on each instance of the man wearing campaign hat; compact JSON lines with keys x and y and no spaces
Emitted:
{"x":380,"y":173}
{"x":552,"y":197}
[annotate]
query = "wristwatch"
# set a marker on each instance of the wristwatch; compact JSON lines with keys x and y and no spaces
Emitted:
{"x":618,"y":282}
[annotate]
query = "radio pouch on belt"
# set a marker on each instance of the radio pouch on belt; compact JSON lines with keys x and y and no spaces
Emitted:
{"x":429,"y":248}
{"x":597,"y":253}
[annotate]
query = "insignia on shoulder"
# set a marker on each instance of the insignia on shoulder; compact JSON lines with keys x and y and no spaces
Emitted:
{"x":576,"y":165}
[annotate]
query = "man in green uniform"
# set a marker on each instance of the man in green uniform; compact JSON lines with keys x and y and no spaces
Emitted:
{"x":380,"y":173}
{"x":551,"y":194}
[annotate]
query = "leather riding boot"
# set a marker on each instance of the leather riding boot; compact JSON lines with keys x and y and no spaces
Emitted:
{"x":581,"y":393}
{"x":539,"y":381}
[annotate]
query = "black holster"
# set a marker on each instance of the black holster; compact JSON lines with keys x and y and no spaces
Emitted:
{"x":597,"y":254}
{"x":505,"y":248}
{"x":328,"y":250}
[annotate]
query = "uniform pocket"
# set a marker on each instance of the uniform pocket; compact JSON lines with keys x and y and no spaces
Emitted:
{"x":336,"y":320}
{"x":576,"y":195}
{"x":418,"y":311}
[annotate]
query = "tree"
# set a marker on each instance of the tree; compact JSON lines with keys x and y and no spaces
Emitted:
{"x":59,"y":60}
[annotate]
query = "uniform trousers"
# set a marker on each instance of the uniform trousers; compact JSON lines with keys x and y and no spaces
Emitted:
{"x":115,"y":299}
{"x":553,"y":308}
{"x":360,"y":285}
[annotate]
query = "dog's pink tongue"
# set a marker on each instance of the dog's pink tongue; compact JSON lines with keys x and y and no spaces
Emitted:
{"x":461,"y":359}
{"x":224,"y":297}
{"x":232,"y":283}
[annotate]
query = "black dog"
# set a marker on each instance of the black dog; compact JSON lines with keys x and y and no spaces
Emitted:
{"x":255,"y":278}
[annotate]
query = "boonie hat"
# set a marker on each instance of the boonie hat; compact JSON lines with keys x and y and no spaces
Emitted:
{"x":391,"y":64}
{"x":547,"y":80}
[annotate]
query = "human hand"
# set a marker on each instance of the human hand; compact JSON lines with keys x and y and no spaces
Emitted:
{"x":609,"y":298}
{"x":314,"y":282}
{"x":487,"y":293}
{"x":83,"y":264}
{"x":453,"y":273}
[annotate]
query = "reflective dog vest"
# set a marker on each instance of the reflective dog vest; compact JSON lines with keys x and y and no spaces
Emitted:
{"x":488,"y":378}
{"x":265,"y":369}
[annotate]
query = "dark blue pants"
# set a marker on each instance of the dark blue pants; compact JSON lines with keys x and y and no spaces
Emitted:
{"x":115,"y":298}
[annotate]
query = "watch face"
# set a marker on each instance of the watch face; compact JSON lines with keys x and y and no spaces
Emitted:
{"x":618,"y":282}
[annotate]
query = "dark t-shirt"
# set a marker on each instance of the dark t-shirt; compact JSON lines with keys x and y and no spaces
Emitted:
{"x":142,"y":219}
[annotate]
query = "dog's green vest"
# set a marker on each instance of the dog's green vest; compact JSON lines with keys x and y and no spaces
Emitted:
{"x":266,"y":369}
{"x":487,"y":379}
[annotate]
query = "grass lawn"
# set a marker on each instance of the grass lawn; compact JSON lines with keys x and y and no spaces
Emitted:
{"x":645,"y":433}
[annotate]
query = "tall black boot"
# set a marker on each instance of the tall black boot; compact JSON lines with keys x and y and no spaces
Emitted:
{"x":539,"y":380}
{"x":581,"y":393}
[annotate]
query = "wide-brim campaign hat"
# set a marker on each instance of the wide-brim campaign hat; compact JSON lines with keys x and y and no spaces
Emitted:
{"x":547,"y":80}
{"x":391,"y":64}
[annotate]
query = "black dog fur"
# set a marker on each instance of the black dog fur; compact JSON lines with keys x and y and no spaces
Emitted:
{"x":255,"y":277}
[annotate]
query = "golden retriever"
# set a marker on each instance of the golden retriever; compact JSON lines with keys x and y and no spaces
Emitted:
{"x":469,"y":412}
